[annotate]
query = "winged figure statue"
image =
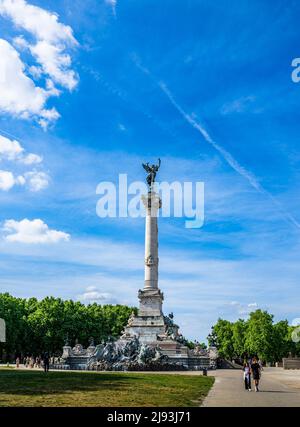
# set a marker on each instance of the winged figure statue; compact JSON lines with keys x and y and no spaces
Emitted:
{"x":151,"y":171}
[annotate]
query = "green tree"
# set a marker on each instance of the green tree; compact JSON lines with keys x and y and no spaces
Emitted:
{"x":239,"y":330}
{"x":294,"y":340}
{"x":282,"y":343}
{"x":36,"y":326}
{"x":222,"y":337}
{"x":12,"y":310}
{"x":256,"y":336}
{"x":259,"y":337}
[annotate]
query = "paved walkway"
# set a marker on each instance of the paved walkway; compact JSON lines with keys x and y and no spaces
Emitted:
{"x":278,"y":387}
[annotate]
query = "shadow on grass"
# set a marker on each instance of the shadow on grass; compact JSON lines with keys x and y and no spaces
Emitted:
{"x":38,"y":383}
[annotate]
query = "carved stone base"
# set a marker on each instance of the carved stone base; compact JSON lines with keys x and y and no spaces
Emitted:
{"x":173,"y":348}
{"x":146,"y":328}
{"x":150,"y":302}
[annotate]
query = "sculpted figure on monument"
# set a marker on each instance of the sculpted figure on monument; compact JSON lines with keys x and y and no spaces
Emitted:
{"x":145,"y":355}
{"x":151,"y":170}
{"x":159,"y":356}
{"x":149,"y":260}
{"x":78,"y":349}
{"x":131,"y":319}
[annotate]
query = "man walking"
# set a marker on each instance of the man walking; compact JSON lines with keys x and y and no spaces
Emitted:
{"x":255,"y":370}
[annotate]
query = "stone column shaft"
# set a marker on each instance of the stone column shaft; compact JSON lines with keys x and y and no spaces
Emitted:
{"x":152,"y":204}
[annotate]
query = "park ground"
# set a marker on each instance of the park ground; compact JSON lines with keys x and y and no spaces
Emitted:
{"x":224,"y":387}
{"x":278,"y":388}
{"x":24,"y":387}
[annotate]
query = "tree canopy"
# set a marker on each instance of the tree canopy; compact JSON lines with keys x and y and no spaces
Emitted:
{"x":33,"y":326}
{"x":258,"y":335}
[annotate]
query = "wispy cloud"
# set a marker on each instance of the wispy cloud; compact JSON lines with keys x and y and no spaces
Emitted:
{"x":226,"y":155}
{"x":239,"y":105}
{"x":113,"y":5}
{"x":252,"y":180}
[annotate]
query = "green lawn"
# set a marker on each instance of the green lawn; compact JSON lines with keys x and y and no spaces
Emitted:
{"x":35,"y":388}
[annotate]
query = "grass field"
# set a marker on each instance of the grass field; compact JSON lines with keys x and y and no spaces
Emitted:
{"x":35,"y":388}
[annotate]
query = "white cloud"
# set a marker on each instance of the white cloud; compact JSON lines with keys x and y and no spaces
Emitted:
{"x":92,"y":294}
{"x":242,"y":308}
{"x":47,"y":117}
{"x":19,"y":94}
{"x":20,"y":180}
{"x":9,"y":149}
{"x":296,"y":321}
{"x":12,"y":150}
{"x":55,"y":63}
{"x":31,"y":159}
{"x":37,"y":180}
{"x":7,"y":180}
{"x":35,"y":231}
{"x":35,"y":71}
{"x":42,"y":24}
{"x":20,"y":43}
{"x":52,"y":39}
{"x":34,"y":180}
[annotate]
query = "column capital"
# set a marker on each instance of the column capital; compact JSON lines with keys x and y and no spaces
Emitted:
{"x":151,"y":200}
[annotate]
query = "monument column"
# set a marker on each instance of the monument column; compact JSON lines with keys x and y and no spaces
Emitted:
{"x":152,"y":203}
{"x":151,"y":297}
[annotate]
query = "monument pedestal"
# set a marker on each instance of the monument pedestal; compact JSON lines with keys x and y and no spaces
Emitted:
{"x":150,"y":320}
{"x":146,"y":329}
{"x":150,"y":302}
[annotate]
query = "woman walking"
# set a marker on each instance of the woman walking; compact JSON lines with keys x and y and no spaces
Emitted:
{"x":247,"y":376}
{"x":255,"y":371}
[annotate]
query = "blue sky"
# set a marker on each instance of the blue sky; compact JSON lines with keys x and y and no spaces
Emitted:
{"x":93,"y":89}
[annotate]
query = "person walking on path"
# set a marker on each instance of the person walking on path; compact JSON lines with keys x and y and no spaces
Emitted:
{"x":247,"y":376}
{"x":255,"y":371}
{"x":37,"y":362}
{"x":46,"y":362}
{"x":32,"y":362}
{"x":17,"y":362}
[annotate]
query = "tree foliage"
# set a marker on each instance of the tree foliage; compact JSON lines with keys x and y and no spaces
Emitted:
{"x":33,"y":326}
{"x":258,"y":335}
